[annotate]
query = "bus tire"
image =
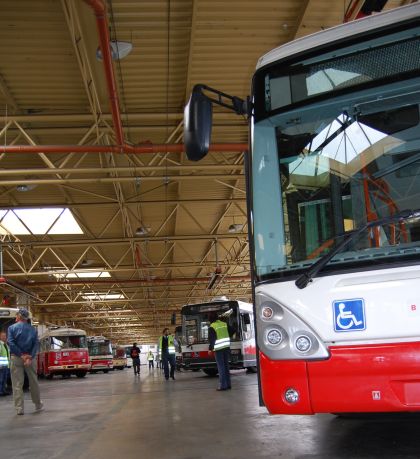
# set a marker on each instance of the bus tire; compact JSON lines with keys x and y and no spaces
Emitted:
{"x":251,"y":370}
{"x":49,"y":376}
{"x":81,"y":374}
{"x":210,"y":371}
{"x":106,"y":371}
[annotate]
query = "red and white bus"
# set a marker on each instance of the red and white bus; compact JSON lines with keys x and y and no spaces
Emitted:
{"x":63,"y":351}
{"x":100,"y":353}
{"x":334,"y":223}
{"x":195,"y":345}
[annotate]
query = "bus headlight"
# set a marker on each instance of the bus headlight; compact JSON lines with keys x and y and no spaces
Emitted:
{"x":291,"y":395}
{"x":274,"y":337}
{"x":303,"y":343}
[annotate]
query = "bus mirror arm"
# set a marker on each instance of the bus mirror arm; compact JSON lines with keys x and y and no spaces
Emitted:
{"x":198,"y":115}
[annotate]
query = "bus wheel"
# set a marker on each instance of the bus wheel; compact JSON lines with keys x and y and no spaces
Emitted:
{"x":210,"y":371}
{"x":81,"y":374}
{"x":106,"y":371}
{"x":251,"y":370}
{"x":49,"y":376}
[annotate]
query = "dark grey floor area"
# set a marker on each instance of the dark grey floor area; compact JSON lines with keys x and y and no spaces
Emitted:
{"x":118,"y":415}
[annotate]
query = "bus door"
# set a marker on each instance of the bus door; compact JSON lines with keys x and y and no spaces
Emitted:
{"x":248,"y":340}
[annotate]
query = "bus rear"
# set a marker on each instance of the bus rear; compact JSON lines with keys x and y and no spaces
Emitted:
{"x":335,"y":186}
{"x":119,"y":359}
{"x":100,"y":353}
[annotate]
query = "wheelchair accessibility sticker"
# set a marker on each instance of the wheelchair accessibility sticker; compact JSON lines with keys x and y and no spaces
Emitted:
{"x":349,"y":315}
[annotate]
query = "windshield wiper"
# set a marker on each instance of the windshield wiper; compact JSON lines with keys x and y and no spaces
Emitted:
{"x":303,"y":280}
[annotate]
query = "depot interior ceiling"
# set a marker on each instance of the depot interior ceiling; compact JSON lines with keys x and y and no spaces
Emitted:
{"x":156,"y":231}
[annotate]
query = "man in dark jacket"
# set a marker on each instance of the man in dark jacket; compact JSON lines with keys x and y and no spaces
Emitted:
{"x":135,"y":355}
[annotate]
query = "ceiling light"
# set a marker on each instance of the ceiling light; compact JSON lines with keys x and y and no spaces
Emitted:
{"x":235,"y":228}
{"x":142,"y":231}
{"x":119,"y":50}
{"x":23,"y":187}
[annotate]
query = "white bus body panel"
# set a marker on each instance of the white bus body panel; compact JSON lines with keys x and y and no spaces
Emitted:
{"x":391,"y":298}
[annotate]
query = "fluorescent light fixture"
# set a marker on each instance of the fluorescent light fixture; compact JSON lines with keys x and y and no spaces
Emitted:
{"x":81,"y":275}
{"x":38,"y":221}
{"x":102,"y":296}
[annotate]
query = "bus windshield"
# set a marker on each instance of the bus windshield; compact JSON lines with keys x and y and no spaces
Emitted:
{"x":100,"y":348}
{"x":328,"y":167}
{"x":68,"y":342}
{"x":196,"y":320}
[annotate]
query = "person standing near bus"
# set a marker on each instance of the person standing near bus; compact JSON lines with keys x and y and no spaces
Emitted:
{"x":4,"y":364}
{"x":135,"y":355}
{"x":151,"y":359}
{"x":167,"y":350}
{"x":219,"y":340}
{"x":23,"y":346}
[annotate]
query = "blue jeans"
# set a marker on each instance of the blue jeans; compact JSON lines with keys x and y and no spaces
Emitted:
{"x":222,"y":360}
{"x":168,"y":358}
{"x":3,"y":380}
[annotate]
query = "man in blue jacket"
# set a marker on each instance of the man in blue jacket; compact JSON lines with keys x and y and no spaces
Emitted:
{"x":23,"y":346}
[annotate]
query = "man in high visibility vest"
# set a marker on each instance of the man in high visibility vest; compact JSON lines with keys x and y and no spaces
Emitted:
{"x":220,"y":343}
{"x":167,"y":350}
{"x":4,"y":364}
{"x":150,"y":359}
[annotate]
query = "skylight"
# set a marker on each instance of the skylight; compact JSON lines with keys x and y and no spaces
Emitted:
{"x":38,"y":221}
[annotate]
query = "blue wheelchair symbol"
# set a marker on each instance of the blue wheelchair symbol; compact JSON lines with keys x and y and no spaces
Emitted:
{"x":349,"y":315}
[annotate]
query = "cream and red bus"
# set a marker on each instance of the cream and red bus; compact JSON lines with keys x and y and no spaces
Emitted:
{"x":119,"y":359}
{"x":63,"y":351}
{"x":100,"y":353}
{"x":333,"y":176}
{"x":195,"y":345}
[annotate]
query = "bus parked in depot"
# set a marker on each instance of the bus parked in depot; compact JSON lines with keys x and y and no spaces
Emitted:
{"x":63,"y":351}
{"x":119,"y":359}
{"x":333,"y":176}
{"x":100,"y":353}
{"x":195,"y":345}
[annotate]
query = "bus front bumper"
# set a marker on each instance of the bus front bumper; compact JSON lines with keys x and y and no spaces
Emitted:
{"x":355,"y":379}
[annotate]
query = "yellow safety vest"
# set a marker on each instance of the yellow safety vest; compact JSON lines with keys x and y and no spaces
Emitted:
{"x":222,"y":335}
{"x":171,"y":345}
{"x":4,"y":355}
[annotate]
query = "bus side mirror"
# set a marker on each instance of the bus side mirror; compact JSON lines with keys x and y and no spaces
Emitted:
{"x":197,"y":125}
{"x":247,"y":319}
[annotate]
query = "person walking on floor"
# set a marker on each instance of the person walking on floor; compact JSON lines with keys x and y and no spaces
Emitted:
{"x":167,"y":350}
{"x":220,"y":343}
{"x":151,"y":359}
{"x":135,"y":355}
{"x":23,"y":346}
{"x":4,"y":364}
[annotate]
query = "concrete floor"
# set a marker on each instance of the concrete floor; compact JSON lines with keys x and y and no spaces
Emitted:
{"x":120,"y":416}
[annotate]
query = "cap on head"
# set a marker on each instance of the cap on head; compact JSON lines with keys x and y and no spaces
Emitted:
{"x":24,"y":313}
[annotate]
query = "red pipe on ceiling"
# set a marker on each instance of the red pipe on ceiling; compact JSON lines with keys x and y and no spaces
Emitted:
{"x":129,"y":149}
{"x":142,"y":282}
{"x":104,"y":42}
